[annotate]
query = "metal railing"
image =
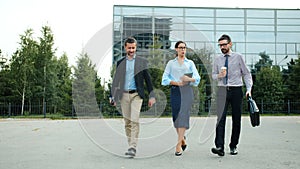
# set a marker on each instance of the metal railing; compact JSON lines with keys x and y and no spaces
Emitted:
{"x":107,"y":111}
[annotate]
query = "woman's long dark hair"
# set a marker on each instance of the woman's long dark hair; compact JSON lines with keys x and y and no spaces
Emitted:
{"x":179,"y":42}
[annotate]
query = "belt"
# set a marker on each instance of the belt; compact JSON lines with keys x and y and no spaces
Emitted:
{"x":231,"y":87}
{"x":129,"y":91}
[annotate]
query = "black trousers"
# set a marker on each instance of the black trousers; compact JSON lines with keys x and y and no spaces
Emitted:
{"x":226,"y":96}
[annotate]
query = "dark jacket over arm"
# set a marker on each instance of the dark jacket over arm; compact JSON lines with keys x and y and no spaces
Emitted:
{"x":141,"y":75}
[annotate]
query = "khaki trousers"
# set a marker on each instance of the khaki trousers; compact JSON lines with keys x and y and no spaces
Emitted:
{"x":131,"y":106}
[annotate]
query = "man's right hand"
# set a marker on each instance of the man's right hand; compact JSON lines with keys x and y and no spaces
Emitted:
{"x":112,"y":101}
{"x":222,"y":74}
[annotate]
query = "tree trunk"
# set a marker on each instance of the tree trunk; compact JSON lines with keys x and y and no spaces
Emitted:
{"x":23,"y":100}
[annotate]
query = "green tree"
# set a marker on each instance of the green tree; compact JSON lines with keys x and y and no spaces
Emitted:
{"x":5,"y":87}
{"x":286,"y":72}
{"x":45,"y":69}
{"x":36,"y":76}
{"x":64,"y":86}
{"x":269,"y":88}
{"x":202,"y":60}
{"x":83,"y":91}
{"x":158,"y":58}
{"x":108,"y":110}
{"x":293,"y":81}
{"x":3,"y":77}
{"x":263,"y":61}
{"x":22,"y":69}
{"x":102,"y":96}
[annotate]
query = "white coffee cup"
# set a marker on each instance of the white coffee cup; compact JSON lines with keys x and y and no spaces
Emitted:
{"x":223,"y":68}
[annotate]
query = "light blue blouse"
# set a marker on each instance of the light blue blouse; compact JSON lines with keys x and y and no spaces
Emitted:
{"x":174,"y":71}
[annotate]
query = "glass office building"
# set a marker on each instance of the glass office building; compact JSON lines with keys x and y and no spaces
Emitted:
{"x":273,"y":31}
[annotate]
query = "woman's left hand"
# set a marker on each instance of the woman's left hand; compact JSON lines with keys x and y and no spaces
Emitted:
{"x":185,"y":78}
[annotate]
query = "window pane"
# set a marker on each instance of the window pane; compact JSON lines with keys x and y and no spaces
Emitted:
{"x":230,"y":27}
{"x":117,"y":26}
{"x":175,"y":20}
{"x":200,"y":12}
{"x":260,"y":28}
{"x":260,"y":37}
{"x":280,"y":49}
{"x":200,"y":46}
{"x":194,"y":36}
{"x":288,"y":37}
{"x":209,"y":35}
{"x":235,"y":36}
{"x":260,"y":47}
{"x":200,"y":20}
{"x":260,"y":13}
{"x":117,"y":18}
{"x":260,"y":21}
{"x":240,"y":47}
{"x":117,"y":10}
{"x":135,"y":11}
{"x":230,"y":13}
{"x":291,"y":48}
{"x":176,"y":35}
{"x":288,"y":21}
{"x":230,"y":20}
{"x":288,"y":13}
{"x":169,"y":11}
{"x":288,"y":28}
{"x":177,"y":26}
{"x":202,"y":27}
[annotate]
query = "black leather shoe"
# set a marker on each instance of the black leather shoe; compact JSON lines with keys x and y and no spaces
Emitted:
{"x":233,"y":151}
{"x":218,"y":151}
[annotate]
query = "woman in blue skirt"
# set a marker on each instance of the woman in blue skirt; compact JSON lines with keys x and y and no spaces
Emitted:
{"x":181,"y":74}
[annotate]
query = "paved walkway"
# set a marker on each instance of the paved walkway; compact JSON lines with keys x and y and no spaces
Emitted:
{"x":98,"y":143}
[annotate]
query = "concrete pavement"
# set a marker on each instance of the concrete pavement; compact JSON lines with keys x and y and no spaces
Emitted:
{"x":101,"y":143}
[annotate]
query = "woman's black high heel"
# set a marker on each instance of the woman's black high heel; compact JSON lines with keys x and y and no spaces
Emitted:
{"x":183,"y":147}
{"x":178,"y":153}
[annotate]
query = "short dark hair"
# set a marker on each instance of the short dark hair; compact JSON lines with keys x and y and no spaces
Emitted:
{"x":225,"y":37}
{"x":130,"y":40}
{"x":179,"y":42}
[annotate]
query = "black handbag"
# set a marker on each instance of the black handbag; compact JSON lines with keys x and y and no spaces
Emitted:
{"x":254,"y":112}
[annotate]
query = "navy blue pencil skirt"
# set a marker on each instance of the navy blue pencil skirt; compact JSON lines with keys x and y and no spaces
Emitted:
{"x":181,"y":103}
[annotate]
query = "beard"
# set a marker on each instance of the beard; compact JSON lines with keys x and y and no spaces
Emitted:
{"x":224,"y":51}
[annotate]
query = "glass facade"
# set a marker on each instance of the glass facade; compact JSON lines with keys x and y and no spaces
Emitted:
{"x":273,"y":31}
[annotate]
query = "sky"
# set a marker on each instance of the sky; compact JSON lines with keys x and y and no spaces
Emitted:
{"x":78,"y":24}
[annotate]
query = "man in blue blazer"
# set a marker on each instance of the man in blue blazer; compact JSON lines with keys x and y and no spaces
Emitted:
{"x":128,"y":90}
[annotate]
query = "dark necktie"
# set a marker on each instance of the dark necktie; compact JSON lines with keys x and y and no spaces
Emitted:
{"x":226,"y":65}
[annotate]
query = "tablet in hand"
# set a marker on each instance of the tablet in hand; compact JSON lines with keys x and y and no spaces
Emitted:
{"x":189,"y":74}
